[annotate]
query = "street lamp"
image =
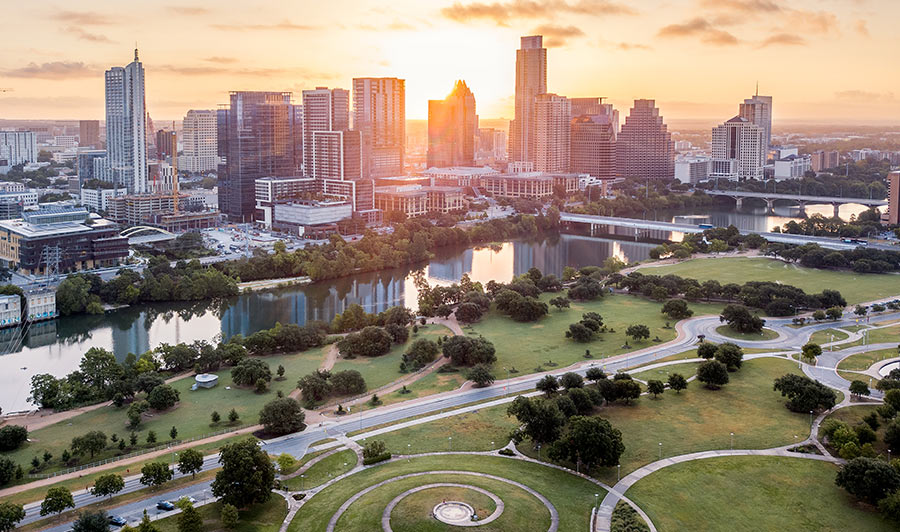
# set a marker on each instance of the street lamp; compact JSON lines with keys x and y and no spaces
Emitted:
{"x":618,"y":472}
{"x":660,"y":450}
{"x":810,"y":419}
{"x":732,"y":441}
{"x":450,"y":442}
{"x":302,"y":479}
{"x":596,"y":501}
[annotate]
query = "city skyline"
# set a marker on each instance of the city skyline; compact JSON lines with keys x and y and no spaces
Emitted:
{"x":646,"y":51}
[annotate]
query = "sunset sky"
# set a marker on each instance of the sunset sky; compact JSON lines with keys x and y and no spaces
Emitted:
{"x":821,"y":59}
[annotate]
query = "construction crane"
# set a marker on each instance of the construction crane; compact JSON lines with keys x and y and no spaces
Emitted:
{"x":174,"y":168}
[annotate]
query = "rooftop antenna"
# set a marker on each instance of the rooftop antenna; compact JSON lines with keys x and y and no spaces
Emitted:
{"x":136,"y":52}
{"x":757,"y":88}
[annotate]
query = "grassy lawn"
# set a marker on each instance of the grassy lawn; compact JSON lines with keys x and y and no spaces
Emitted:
{"x":739,"y":494}
{"x":680,"y":356}
{"x":573,"y":497}
{"x":324,"y":470}
{"x":825,"y":337}
{"x":884,"y":335}
{"x":699,"y":419}
{"x":265,"y":517}
{"x":528,"y":345}
{"x":855,"y":287}
{"x":414,"y":512}
{"x":471,"y":431}
{"x":862,"y":361}
{"x":688,"y":370}
{"x":385,"y":369}
{"x":190,"y":415}
{"x":852,"y":415}
{"x":430,"y":384}
{"x":766,"y":334}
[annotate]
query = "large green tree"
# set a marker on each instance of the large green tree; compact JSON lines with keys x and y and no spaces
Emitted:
{"x":10,"y":515}
{"x":539,"y":420}
{"x":591,"y":441}
{"x":91,"y":522}
{"x":155,"y":474}
{"x":247,"y":474}
{"x":58,"y":499}
{"x":190,"y":461}
{"x":108,"y":485}
{"x":282,"y":416}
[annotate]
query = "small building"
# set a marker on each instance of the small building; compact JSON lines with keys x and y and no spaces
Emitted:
{"x":97,"y":199}
{"x":205,"y":380}
{"x":304,"y":216}
{"x":692,"y":170}
{"x":459,"y":176}
{"x":792,"y":167}
{"x":445,"y":199}
{"x":10,"y":310}
{"x":40,"y":304}
{"x":531,"y":185}
{"x":411,"y":200}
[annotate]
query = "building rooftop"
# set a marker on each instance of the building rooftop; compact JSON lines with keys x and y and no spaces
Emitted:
{"x":462,"y":170}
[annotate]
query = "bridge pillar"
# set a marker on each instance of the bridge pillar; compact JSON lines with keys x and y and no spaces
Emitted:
{"x":770,"y":206}
{"x":802,"y":205}
{"x":592,"y":229}
{"x":739,"y":202}
{"x":837,"y":209}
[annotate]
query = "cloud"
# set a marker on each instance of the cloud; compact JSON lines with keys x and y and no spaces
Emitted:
{"x":53,"y":70}
{"x":198,"y":70}
{"x":701,"y":28}
{"x":188,"y":10}
{"x":285,"y":25}
{"x":744,"y":6}
{"x":783,"y":39}
{"x":557,"y":35}
{"x":861,"y":28}
{"x":502,"y":12}
{"x":861,"y":96}
{"x":220,"y":59}
{"x":86,"y":36}
{"x":83,"y":18}
{"x":628,"y":46}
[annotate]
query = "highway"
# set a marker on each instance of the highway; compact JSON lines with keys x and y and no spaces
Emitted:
{"x":796,"y":197}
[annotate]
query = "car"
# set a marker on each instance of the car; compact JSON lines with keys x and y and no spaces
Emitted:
{"x":165,"y":505}
{"x":116,"y":520}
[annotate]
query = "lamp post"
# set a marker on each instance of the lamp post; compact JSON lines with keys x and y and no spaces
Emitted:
{"x":408,"y":452}
{"x":450,"y":442}
{"x":732,"y":441}
{"x":660,"y":450}
{"x":810,"y":419}
{"x":618,"y":472}
{"x":302,"y":479}
{"x":596,"y":501}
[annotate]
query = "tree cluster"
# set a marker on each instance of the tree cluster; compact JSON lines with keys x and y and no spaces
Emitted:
{"x":321,"y":384}
{"x":804,"y":394}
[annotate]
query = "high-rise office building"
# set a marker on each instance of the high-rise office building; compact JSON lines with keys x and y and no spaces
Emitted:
{"x":823,"y":160}
{"x":552,"y":118}
{"x":17,"y":147}
{"x":257,"y":140}
{"x":126,"y":126}
{"x":324,"y":109}
{"x":335,"y":155}
{"x":452,"y":126}
{"x":644,"y":146}
{"x":593,"y":151}
{"x":165,"y":145}
{"x":199,"y":138}
{"x":89,"y":133}
{"x":531,"y":80}
{"x":738,"y":150}
{"x":758,"y":110}
{"x":892,"y":215}
{"x":379,"y":113}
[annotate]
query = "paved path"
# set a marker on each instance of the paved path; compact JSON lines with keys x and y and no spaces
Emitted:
{"x":498,"y":502}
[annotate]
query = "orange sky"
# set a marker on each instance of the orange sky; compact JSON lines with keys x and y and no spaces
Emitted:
{"x":823,"y":60}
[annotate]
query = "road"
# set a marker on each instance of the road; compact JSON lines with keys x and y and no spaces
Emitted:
{"x":790,"y":338}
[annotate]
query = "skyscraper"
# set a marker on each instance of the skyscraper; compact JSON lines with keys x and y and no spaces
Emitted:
{"x":126,"y":126}
{"x":738,"y":150}
{"x":593,"y":149}
{"x":89,"y":133}
{"x":165,"y":145}
{"x":552,"y":117}
{"x":531,"y":80}
{"x":199,"y":141}
{"x":379,"y":113}
{"x":452,"y":126}
{"x":256,"y":139}
{"x":324,"y":109}
{"x":644,"y":147}
{"x":758,"y":110}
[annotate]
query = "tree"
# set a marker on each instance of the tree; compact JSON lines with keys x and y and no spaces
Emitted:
{"x":107,"y":485}
{"x":890,"y":506}
{"x":731,"y":355}
{"x":399,"y":333}
{"x":655,"y":387}
{"x":560,"y":302}
{"x":707,"y":350}
{"x":868,"y":479}
{"x":580,"y":332}
{"x":571,"y":380}
{"x":548,"y":384}
{"x":370,"y":342}
{"x":250,"y":370}
{"x":229,"y":516}
{"x":8,"y":470}
{"x":190,"y":461}
{"x":481,"y":375}
{"x":638,"y":332}
{"x":421,"y":353}
{"x":466,"y":351}
{"x":215,"y":417}
{"x":189,"y":520}
{"x":247,"y":474}
{"x":818,"y":315}
{"x":528,"y":309}
{"x":811,"y":351}
{"x":45,"y":389}
{"x":677,"y":382}
{"x":677,"y":309}
{"x":92,"y":442}
{"x":282,"y":416}
{"x":233,"y":416}
{"x":163,"y":397}
{"x":146,"y":525}
{"x":469,"y":312}
{"x":713,"y":374}
{"x":315,"y":386}
{"x":155,"y":474}
{"x":739,"y":319}
{"x":91,"y":522}
{"x":591,"y":441}
{"x":12,"y":436}
{"x":280,"y":372}
{"x":374,"y":449}
{"x":10,"y":515}
{"x":541,"y":421}
{"x":834,"y":313}
{"x":859,"y":388}
{"x":804,"y":394}
{"x":58,"y":499}
{"x":134,"y":412}
{"x":173,"y":433}
{"x":627,"y":389}
{"x":348,"y":382}
{"x":594,"y":374}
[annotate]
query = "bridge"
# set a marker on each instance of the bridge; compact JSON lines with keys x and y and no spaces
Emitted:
{"x":145,"y":234}
{"x":651,"y":225}
{"x":800,"y":199}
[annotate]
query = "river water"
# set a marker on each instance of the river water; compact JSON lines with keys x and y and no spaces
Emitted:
{"x":56,"y":346}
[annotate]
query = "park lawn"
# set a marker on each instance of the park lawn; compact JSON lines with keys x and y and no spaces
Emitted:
{"x":884,"y":335}
{"x":324,"y":470}
{"x":679,"y":356}
{"x":687,"y":370}
{"x":737,"y":494}
{"x":572,"y":496}
{"x":265,"y":517}
{"x":471,"y":431}
{"x":525,"y":346}
{"x":430,"y":384}
{"x":862,"y":361}
{"x":855,"y":287}
{"x":190,"y":416}
{"x":378,"y":371}
{"x":766,"y":334}
{"x":523,"y":511}
{"x":854,"y":376}
{"x":853,"y":415}
{"x":824,"y":337}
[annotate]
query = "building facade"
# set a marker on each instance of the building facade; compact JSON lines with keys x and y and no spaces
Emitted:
{"x":199,"y":142}
{"x":126,"y":126}
{"x":824,"y":160}
{"x":459,"y":176}
{"x":758,"y":110}
{"x":89,"y":133}
{"x":552,"y":128}
{"x":324,"y":110}
{"x":379,"y":113}
{"x":892,"y":216}
{"x":738,"y":151}
{"x":531,"y":80}
{"x":792,"y":167}
{"x":10,"y":310}
{"x":17,"y":147}
{"x":452,"y":126}
{"x":644,"y":147}
{"x":593,"y":146}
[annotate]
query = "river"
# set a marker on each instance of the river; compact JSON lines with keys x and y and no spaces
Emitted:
{"x":56,"y":346}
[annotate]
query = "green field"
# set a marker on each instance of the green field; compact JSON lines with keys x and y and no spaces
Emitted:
{"x":884,"y":335}
{"x":852,"y":415}
{"x":825,"y":337}
{"x":525,"y":346}
{"x":413,"y":513}
{"x":321,"y":472}
{"x":430,"y":384}
{"x":739,"y":494}
{"x":471,"y":431}
{"x":688,"y":370}
{"x":855,"y":287}
{"x":766,"y":334}
{"x":573,"y":497}
{"x":266,"y":517}
{"x":862,"y":361}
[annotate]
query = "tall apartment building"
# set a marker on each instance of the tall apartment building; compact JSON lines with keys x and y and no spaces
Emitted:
{"x":126,"y":126}
{"x":166,"y":145}
{"x":823,"y":160}
{"x":379,"y":113}
{"x":256,"y":139}
{"x":324,"y":109}
{"x":892,"y":216}
{"x":452,"y":127}
{"x":531,"y":80}
{"x":199,"y":141}
{"x":552,"y":118}
{"x":593,"y":148}
{"x":644,"y":146}
{"x":89,"y":133}
{"x":491,"y":145}
{"x":17,"y":147}
{"x":738,"y":150}
{"x":758,"y":110}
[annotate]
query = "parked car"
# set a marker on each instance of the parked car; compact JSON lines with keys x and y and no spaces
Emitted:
{"x":165,"y":505}
{"x":116,"y":520}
